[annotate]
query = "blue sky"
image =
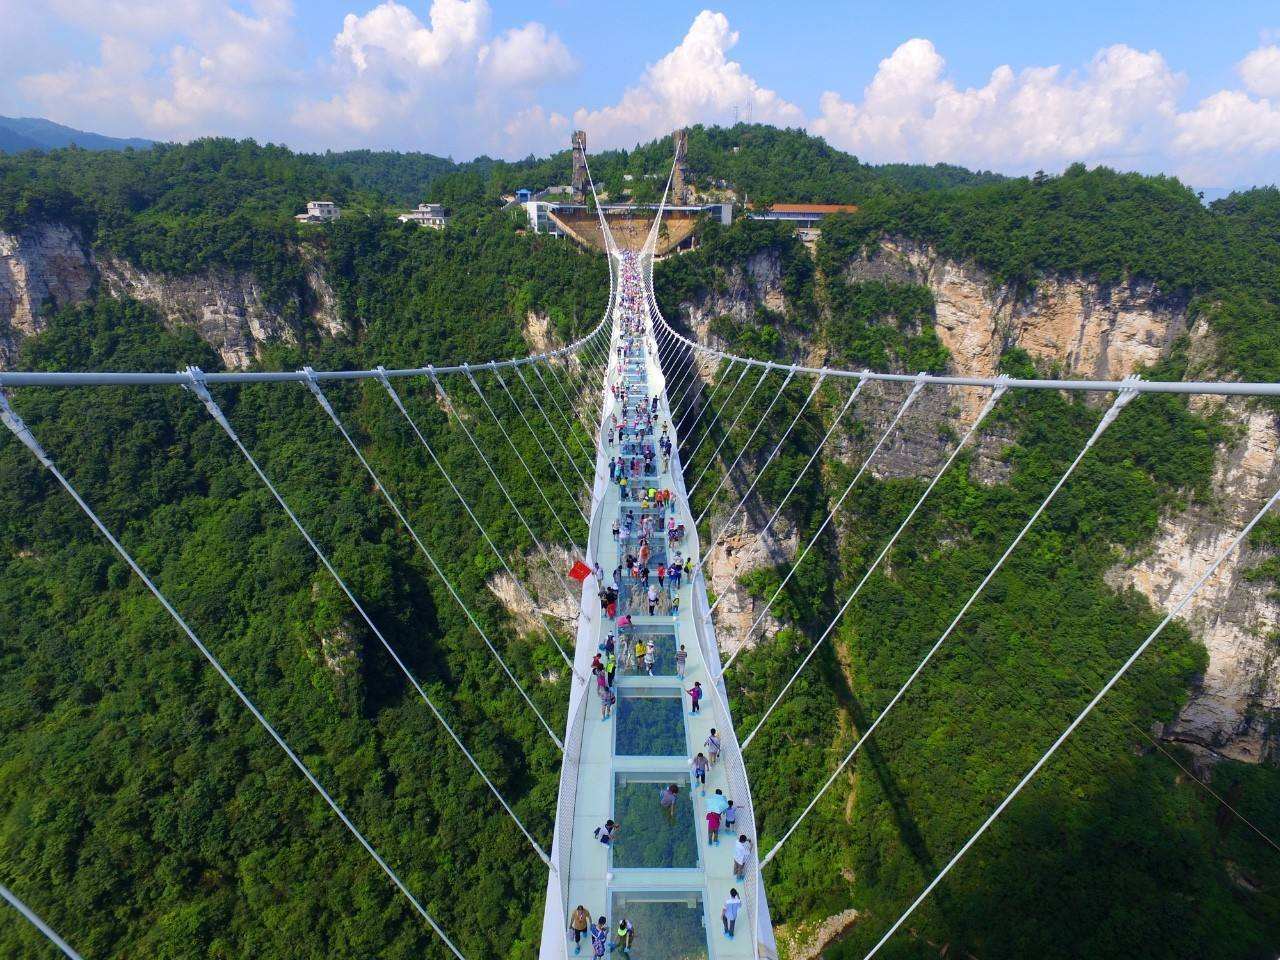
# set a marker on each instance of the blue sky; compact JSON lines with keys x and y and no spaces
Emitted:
{"x":1190,"y":89}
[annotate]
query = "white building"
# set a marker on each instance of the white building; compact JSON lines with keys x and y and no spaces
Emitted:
{"x":319,"y":211}
{"x":426,"y":215}
{"x":539,"y":222}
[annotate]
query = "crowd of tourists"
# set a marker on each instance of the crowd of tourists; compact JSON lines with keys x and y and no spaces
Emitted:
{"x":646,"y":582}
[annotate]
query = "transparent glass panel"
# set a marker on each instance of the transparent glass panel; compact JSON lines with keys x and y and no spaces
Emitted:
{"x":668,"y":926}
{"x":664,"y":651}
{"x":653,"y":835}
{"x":650,"y":724}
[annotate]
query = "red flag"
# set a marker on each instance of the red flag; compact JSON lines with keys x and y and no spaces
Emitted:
{"x":579,"y":571}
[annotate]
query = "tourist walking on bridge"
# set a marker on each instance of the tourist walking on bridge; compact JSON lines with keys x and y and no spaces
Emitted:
{"x":695,"y":696}
{"x":729,"y":913}
{"x":741,"y":854}
{"x":579,"y":923}
{"x":600,"y":938}
{"x":668,"y":798}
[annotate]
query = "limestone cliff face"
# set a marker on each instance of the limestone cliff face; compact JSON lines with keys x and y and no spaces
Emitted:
{"x":1084,"y":329}
{"x":1234,"y":710}
{"x":1087,"y":330}
{"x":40,"y":265}
{"x":756,"y":283}
{"x":47,"y":266}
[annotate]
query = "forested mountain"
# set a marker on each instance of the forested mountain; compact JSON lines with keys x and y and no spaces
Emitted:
{"x":35,"y":133}
{"x":149,"y":817}
{"x":761,"y":163}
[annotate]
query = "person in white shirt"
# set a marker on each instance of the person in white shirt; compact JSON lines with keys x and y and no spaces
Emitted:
{"x":741,"y":854}
{"x":729,"y":913}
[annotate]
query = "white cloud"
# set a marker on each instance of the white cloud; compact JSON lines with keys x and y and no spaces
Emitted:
{"x":394,"y":33}
{"x":1260,"y":71}
{"x":176,"y":70}
{"x":1119,"y":106}
{"x":525,"y":56}
{"x":400,"y":82}
{"x":436,"y":75}
{"x":695,"y":82}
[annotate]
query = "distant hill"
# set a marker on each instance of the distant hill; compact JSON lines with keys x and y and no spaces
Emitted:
{"x":35,"y":133}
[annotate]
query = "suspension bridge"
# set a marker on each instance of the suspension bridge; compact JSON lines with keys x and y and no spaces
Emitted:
{"x":653,"y":763}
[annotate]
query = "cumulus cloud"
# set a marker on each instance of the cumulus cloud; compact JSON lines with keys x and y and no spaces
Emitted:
{"x":694,"y":83}
{"x":411,"y":84}
{"x":178,"y":69}
{"x":1118,"y":106}
{"x":1260,"y":71}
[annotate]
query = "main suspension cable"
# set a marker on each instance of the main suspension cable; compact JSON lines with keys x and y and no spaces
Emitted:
{"x":11,"y":419}
{"x":992,"y":400}
{"x":1079,"y":719}
{"x":201,"y":390}
{"x":764,"y":612}
{"x":1121,"y":401}
{"x":36,"y":922}
{"x":835,"y":422}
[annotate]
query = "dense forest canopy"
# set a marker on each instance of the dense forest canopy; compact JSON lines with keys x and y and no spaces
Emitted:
{"x":152,"y":819}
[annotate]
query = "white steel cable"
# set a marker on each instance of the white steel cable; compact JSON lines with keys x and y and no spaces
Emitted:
{"x":915,"y":391}
{"x":682,"y":381}
{"x":554,"y":433}
{"x":817,"y":384}
{"x":413,"y":425}
{"x":1080,"y":717}
{"x":743,"y":449}
{"x":707,"y":403}
{"x":538,"y":440}
{"x":537,"y":542}
{"x":23,"y":433}
{"x":199,"y":388}
{"x":1120,"y":402}
{"x":582,"y":383}
{"x":519,"y":456}
{"x":992,"y":400}
{"x":36,"y":922}
{"x":706,"y":396}
{"x":573,"y":434}
{"x":715,"y":418}
{"x":835,"y":422}
{"x":318,"y":393}
{"x":728,"y":433}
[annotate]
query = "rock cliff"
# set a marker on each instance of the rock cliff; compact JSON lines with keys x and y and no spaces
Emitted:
{"x":1084,"y":329}
{"x":48,"y":266}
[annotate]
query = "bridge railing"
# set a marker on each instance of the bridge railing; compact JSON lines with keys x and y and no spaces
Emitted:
{"x":731,"y":757}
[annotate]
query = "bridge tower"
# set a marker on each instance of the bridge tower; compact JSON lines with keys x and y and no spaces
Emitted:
{"x":579,"y":143}
{"x":681,"y":188}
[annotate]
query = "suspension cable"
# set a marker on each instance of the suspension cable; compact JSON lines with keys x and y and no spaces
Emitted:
{"x":36,"y":922}
{"x":715,"y":418}
{"x":992,"y":400}
{"x":911,"y":396}
{"x":538,"y":440}
{"x":590,"y":457}
{"x":716,"y":452}
{"x":554,"y":432}
{"x":711,"y":395}
{"x":835,"y":422}
{"x":705,"y":397}
{"x":742,"y":449}
{"x":1121,"y":401}
{"x":23,"y":433}
{"x":772,"y":453}
{"x":318,"y":393}
{"x":201,"y":390}
{"x":395,"y":398}
{"x":1080,"y":717}
{"x":537,"y":542}
{"x":519,"y":456}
